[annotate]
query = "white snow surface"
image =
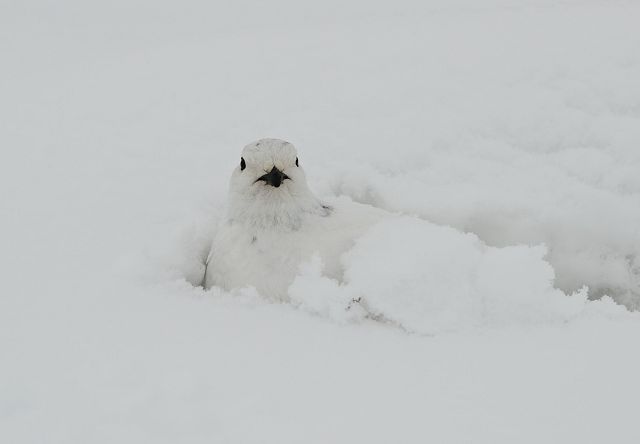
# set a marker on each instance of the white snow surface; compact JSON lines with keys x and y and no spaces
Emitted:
{"x":501,"y":139}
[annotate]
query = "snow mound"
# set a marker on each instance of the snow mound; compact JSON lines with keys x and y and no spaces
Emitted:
{"x":582,"y":203}
{"x":318,"y":294}
{"x":430,"y":279}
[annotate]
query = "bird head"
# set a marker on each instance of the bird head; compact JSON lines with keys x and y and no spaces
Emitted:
{"x":269,"y":188}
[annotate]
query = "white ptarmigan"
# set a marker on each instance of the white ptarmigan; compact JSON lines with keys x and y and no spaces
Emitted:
{"x":274,"y":223}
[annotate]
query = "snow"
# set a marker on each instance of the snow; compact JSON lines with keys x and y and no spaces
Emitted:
{"x":502,"y":137}
{"x":441,"y":280}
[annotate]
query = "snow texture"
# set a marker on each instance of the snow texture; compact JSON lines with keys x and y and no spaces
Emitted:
{"x":439,"y":279}
{"x":492,"y":302}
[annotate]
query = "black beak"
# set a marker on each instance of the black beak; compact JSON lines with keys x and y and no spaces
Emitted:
{"x":274,"y":178}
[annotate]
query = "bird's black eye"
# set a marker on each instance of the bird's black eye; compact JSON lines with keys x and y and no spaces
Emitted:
{"x":243,"y":164}
{"x":297,"y":162}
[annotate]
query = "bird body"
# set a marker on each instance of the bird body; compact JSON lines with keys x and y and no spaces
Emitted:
{"x":274,"y":223}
